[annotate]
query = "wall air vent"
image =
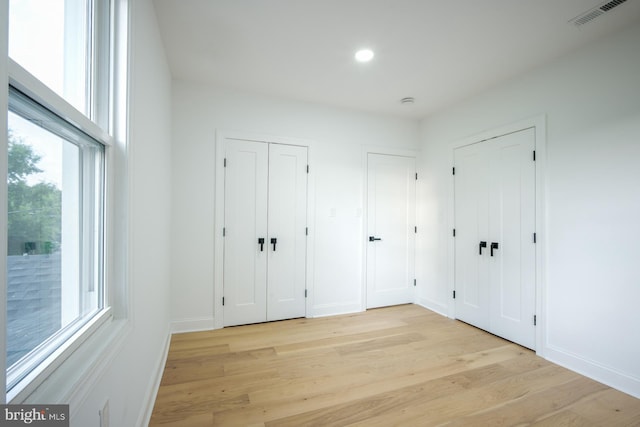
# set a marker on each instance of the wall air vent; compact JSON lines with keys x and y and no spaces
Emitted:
{"x":597,"y":11}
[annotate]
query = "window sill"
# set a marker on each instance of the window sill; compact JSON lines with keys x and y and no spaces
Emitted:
{"x":59,"y":376}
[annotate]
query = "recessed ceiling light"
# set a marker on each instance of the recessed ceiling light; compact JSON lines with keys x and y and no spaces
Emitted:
{"x":364,"y":55}
{"x":408,"y":100}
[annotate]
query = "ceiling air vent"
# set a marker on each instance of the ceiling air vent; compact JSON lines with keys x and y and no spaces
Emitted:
{"x":597,"y":11}
{"x":610,"y":5}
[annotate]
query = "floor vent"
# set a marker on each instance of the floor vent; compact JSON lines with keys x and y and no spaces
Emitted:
{"x":594,"y":13}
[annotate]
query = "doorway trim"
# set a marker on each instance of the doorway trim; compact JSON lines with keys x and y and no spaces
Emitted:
{"x":373,"y":149}
{"x":538,"y":123}
{"x":218,"y":263}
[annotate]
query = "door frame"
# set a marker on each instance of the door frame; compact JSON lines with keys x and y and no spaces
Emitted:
{"x":221,"y":136}
{"x":538,"y":123}
{"x":372,"y":149}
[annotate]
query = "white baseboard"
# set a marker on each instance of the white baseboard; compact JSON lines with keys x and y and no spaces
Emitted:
{"x":154,"y":384}
{"x":433,"y":306}
{"x":335,"y":309}
{"x":192,"y":325}
{"x":606,"y":375}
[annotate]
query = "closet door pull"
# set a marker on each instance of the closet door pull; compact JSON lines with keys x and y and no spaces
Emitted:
{"x":494,"y":245}
{"x":273,"y":242}
{"x":373,"y":238}
{"x":481,"y":245}
{"x":261,"y":243}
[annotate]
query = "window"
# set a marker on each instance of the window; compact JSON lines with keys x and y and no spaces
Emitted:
{"x":55,"y":233}
{"x":61,"y":109}
{"x":49,"y":39}
{"x":65,"y":45}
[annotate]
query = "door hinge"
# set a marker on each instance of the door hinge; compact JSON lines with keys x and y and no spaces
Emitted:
{"x":225,"y":162}
{"x":307,"y":168}
{"x":416,"y":176}
{"x":224,"y":231}
{"x":534,"y":155}
{"x":535,"y":320}
{"x":454,"y":294}
{"x":305,"y":293}
{"x":454,"y":232}
{"x":415,"y":282}
{"x":222,"y":300}
{"x":306,"y":231}
{"x":415,"y":229}
{"x":535,"y":237}
{"x":454,"y":170}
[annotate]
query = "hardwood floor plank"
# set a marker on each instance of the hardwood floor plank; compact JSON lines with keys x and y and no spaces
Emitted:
{"x":609,"y":407}
{"x":363,"y":409}
{"x":200,"y":351}
{"x":566,"y":418}
{"x":529,"y":408}
{"x":192,"y":369}
{"x":362,"y":381}
{"x":400,"y":365}
{"x":474,"y":399}
{"x":378,"y":344}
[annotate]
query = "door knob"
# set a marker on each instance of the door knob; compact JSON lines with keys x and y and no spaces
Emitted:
{"x":481,"y":245}
{"x":373,"y":239}
{"x":494,"y":245}
{"x":273,"y":242}
{"x":261,"y":243}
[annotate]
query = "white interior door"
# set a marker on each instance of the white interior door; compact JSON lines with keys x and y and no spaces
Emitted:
{"x":391,"y":221}
{"x":511,"y":225}
{"x":495,"y":206}
{"x":245,"y":205}
{"x":472,"y":234}
{"x":287,"y":225}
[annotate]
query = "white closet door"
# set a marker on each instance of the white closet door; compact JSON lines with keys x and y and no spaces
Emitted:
{"x":511,"y":226}
{"x":391,"y":210}
{"x":245,"y":264}
{"x":472,"y":235}
{"x":495,"y":205}
{"x":287,"y":225}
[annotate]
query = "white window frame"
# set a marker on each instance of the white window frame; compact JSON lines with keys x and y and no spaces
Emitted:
{"x":4,"y":94}
{"x":66,"y":375}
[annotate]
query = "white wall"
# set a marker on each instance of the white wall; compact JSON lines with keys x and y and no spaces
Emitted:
{"x":129,"y":380}
{"x":337,"y":137}
{"x":591,"y":100}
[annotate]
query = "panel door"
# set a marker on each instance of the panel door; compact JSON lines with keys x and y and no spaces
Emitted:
{"x":245,"y":262}
{"x":472,"y":235}
{"x":495,"y":205}
{"x":391,"y":221}
{"x":511,"y":225}
{"x":287,"y":224}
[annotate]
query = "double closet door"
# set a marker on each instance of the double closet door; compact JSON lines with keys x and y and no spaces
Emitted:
{"x":265,"y":232}
{"x":495,"y":254}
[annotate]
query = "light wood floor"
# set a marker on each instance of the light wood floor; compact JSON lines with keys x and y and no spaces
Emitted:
{"x":400,"y":365}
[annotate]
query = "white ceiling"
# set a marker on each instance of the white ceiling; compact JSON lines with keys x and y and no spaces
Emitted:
{"x":439,"y":52}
